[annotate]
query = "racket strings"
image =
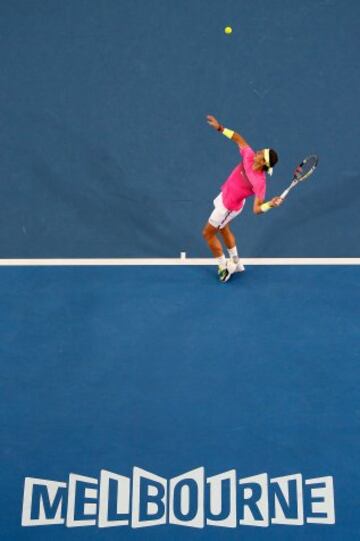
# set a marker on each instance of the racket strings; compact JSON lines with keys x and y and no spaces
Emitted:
{"x":298,"y":172}
{"x":305,"y":169}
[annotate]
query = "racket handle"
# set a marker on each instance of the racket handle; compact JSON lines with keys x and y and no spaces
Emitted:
{"x":284,"y":194}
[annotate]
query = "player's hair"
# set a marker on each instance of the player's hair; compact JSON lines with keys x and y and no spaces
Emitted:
{"x":274,"y":158}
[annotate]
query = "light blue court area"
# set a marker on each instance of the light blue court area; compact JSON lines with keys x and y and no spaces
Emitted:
{"x":198,"y":385}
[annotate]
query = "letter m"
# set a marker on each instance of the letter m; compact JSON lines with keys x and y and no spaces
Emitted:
{"x":43,"y":502}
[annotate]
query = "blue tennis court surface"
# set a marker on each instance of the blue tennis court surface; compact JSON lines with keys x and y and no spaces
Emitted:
{"x":166,"y":370}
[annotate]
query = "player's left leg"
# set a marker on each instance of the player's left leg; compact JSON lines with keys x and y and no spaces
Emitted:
{"x":228,"y":236}
{"x":210,"y":235}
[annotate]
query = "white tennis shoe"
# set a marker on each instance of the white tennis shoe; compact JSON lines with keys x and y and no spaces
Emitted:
{"x":225,"y":273}
{"x":239,"y":267}
{"x":231,"y":267}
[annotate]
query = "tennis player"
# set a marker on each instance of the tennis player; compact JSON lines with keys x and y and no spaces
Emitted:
{"x":246,"y":180}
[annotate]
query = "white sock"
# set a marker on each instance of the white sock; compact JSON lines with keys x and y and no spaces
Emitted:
{"x":233,"y":253}
{"x":221,"y":261}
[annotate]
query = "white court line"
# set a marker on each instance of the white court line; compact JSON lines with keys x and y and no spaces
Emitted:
{"x":78,"y":262}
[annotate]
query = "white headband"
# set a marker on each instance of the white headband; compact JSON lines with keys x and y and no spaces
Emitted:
{"x":267,"y":161}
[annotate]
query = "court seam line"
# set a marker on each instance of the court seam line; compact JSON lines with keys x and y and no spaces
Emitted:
{"x":173,"y":261}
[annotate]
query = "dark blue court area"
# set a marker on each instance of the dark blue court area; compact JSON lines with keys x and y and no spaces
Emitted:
{"x":105,"y":151}
{"x":166,"y":370}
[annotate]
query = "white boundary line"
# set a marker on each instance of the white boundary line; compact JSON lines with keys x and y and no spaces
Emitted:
{"x":174,"y":261}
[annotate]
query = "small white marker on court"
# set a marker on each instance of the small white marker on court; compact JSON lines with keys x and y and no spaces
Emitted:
{"x":183,"y":256}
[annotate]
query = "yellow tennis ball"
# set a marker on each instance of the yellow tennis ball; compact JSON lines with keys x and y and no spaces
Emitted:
{"x":228,"y":30}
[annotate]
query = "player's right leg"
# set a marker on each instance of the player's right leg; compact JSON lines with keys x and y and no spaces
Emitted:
{"x":217,"y":219}
{"x":230,"y":243}
{"x":210,"y":235}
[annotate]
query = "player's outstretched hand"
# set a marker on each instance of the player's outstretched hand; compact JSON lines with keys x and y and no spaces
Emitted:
{"x":276,"y":201}
{"x":213,"y":122}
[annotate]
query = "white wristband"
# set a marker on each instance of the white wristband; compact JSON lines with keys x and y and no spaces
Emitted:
{"x":228,"y":133}
{"x":265,"y":207}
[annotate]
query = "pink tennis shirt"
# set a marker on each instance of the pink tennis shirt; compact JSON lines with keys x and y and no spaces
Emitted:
{"x":243,"y":182}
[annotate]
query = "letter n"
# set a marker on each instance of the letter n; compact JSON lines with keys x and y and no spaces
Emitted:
{"x":286,"y":500}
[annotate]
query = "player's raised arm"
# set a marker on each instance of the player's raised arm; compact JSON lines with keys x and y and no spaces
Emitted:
{"x":230,"y":134}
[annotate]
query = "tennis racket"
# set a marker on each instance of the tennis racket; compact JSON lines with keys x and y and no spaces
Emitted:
{"x":302,"y":172}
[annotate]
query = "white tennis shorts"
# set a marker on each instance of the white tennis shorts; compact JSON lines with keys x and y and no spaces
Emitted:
{"x":221,"y":216}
